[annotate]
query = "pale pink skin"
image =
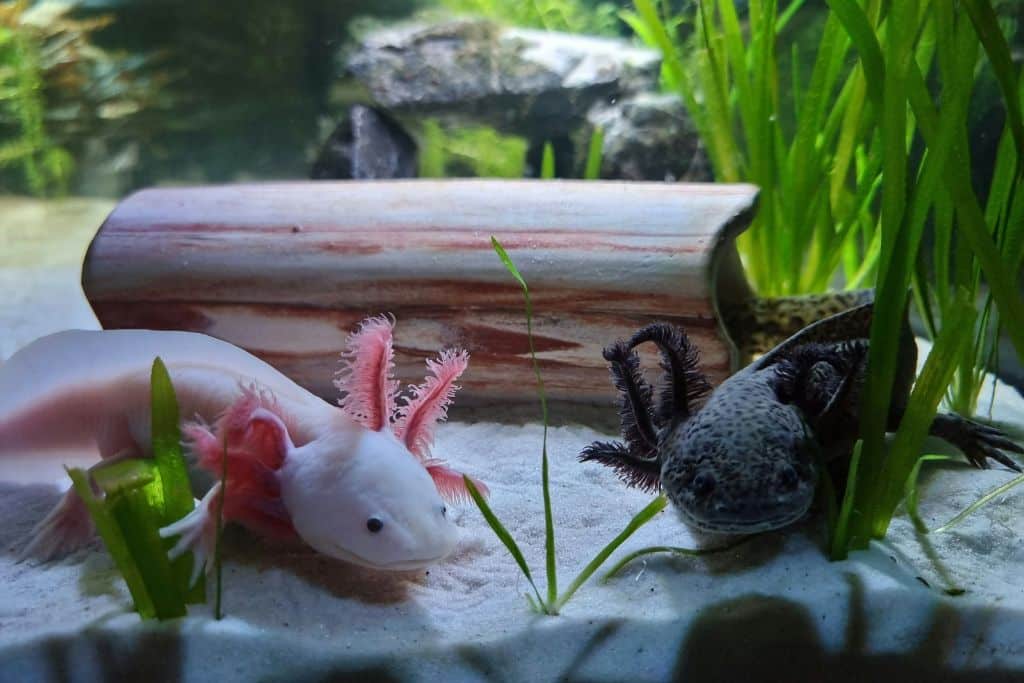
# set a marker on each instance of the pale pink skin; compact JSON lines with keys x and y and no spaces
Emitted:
{"x":297,"y":464}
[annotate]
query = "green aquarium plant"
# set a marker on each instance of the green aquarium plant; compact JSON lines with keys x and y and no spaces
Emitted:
{"x":477,"y":151}
{"x":568,"y":16}
{"x":134,"y":498}
{"x":29,"y":157}
{"x":447,"y":151}
{"x":59,"y":90}
{"x":858,"y":152}
{"x":784,"y":127}
{"x":785,"y":122}
{"x":551,"y":602}
{"x":935,"y":182}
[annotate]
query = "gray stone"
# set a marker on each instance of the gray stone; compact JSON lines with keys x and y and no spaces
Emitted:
{"x":649,"y":136}
{"x":533,"y":83}
{"x":368,"y":145}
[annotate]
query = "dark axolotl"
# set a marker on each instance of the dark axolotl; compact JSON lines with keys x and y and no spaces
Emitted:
{"x":746,"y":461}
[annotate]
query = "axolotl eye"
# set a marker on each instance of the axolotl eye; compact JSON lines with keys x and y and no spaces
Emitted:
{"x":374,"y":525}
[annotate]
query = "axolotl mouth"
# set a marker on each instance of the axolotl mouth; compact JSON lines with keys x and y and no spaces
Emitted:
{"x":337,"y":552}
{"x":722,"y":502}
{"x":748,"y":519}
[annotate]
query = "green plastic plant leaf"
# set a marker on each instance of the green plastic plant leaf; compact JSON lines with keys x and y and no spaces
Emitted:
{"x":503,"y":535}
{"x":641,"y":518}
{"x":110,"y":532}
{"x":139,"y":497}
{"x":139,"y":521}
{"x":175,"y":488}
{"x":123,"y":475}
{"x":128,"y":522}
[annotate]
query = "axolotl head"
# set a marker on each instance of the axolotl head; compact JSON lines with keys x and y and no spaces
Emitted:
{"x":743,"y":464}
{"x":364,"y":498}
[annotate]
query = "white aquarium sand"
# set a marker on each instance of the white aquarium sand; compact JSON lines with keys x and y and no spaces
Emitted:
{"x":774,"y":608}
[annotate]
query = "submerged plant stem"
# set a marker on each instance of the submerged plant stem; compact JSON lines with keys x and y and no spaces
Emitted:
{"x":672,"y":550}
{"x":981,"y":502}
{"x":217,"y":550}
{"x":641,"y":518}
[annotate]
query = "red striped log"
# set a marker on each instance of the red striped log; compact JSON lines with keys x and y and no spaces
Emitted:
{"x":286,"y":270}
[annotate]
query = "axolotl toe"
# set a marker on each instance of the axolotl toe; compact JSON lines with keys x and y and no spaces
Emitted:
{"x":355,"y":481}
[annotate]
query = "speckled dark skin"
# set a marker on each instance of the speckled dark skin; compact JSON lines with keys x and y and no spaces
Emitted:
{"x":746,"y":461}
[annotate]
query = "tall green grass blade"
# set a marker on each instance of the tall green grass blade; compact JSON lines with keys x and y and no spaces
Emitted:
{"x":218,"y":566}
{"x":175,"y":488}
{"x":841,"y":537}
{"x":858,"y":27}
{"x":981,"y":502}
{"x":549,"y":526}
{"x":972,"y":227}
{"x":911,"y":491}
{"x":986,"y":25}
{"x":641,"y":518}
{"x":924,"y":401}
{"x":549,"y":531}
{"x":502,"y":533}
{"x":547,"y":163}
{"x":592,"y":167}
{"x":787,"y":14}
{"x":431,"y":150}
{"x":123,"y":476}
{"x":894,"y":263}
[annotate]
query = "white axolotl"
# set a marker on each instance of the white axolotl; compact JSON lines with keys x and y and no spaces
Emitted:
{"x":354,"y":481}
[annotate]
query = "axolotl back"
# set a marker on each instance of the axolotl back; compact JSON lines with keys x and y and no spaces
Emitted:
{"x":297,"y":464}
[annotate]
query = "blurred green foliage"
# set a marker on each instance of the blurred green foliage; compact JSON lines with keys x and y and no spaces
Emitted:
{"x":30,"y":161}
{"x":258,"y":82}
{"x":469,"y":151}
{"x":570,"y":16}
{"x":59,"y":91}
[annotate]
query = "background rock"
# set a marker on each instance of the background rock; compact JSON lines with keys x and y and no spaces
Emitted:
{"x":532,"y":83}
{"x":649,"y":136}
{"x":367,"y":145}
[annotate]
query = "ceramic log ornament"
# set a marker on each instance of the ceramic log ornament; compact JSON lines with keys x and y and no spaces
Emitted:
{"x":746,"y":460}
{"x":284,"y":269}
{"x":355,"y":481}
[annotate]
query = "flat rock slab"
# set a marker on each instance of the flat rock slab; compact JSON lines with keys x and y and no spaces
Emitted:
{"x":520,"y":80}
{"x":649,"y":136}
